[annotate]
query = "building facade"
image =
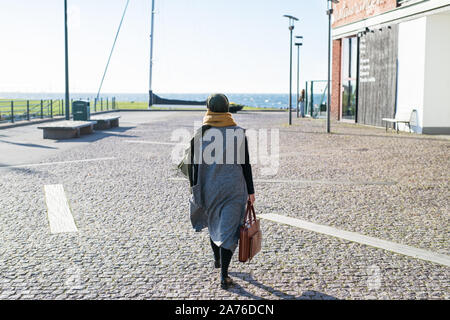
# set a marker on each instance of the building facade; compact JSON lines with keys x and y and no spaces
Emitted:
{"x":391,"y":58}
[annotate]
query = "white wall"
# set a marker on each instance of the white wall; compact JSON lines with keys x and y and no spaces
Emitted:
{"x":411,"y":70}
{"x":437,"y":72}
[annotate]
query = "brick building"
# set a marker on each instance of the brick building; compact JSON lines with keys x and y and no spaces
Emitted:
{"x":391,"y":58}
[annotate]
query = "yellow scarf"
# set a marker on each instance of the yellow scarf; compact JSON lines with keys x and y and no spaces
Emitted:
{"x":218,"y":119}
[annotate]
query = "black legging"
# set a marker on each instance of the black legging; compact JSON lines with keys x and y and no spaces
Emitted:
{"x":224,"y":255}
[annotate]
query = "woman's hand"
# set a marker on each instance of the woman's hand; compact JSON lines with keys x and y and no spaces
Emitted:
{"x":251,"y":198}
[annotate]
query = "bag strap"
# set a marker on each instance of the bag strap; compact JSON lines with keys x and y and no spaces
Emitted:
{"x":250,"y":214}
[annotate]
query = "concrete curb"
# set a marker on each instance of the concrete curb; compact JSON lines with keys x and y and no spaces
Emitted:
{"x":194,"y":110}
{"x":38,"y":121}
{"x":153,"y":110}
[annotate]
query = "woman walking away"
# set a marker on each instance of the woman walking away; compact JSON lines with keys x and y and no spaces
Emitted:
{"x":221,"y":181}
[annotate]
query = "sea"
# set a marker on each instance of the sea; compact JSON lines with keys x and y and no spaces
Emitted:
{"x":260,"y":100}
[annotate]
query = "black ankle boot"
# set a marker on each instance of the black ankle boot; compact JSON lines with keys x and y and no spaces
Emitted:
{"x":226,"y":283}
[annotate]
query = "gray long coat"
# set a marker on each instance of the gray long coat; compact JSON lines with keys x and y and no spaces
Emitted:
{"x":220,"y":195}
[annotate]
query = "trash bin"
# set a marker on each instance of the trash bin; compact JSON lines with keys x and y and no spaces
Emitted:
{"x":81,"y":110}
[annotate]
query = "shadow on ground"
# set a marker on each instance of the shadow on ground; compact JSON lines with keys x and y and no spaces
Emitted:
{"x":98,"y":135}
{"x":19,"y":169}
{"x":307,"y":295}
{"x":31,"y":145}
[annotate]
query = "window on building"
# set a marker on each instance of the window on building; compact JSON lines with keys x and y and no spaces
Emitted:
{"x":349,"y":65}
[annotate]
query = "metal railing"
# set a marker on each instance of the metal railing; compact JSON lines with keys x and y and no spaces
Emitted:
{"x":14,"y":110}
{"x":104,"y":104}
{"x":316,"y":98}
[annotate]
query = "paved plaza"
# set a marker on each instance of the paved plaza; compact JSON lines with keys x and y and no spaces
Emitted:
{"x":133,"y":238}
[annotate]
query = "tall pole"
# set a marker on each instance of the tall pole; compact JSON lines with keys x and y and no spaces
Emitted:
{"x":329,"y":13}
{"x":110,"y":54}
{"x":290,"y":77}
{"x":298,"y":44}
{"x":291,"y":27}
{"x":298,"y":68}
{"x":329,"y":73}
{"x":66,"y":62}
{"x":150,"y":92}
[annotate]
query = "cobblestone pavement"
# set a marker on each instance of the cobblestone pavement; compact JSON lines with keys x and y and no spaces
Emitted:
{"x":135,"y":240}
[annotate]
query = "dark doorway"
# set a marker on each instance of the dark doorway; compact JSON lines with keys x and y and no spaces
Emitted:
{"x":349,"y":78}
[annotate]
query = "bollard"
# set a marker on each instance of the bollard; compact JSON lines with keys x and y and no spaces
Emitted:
{"x":12,"y":111}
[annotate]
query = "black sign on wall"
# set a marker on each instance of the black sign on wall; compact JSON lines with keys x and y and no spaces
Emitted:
{"x":377,"y":87}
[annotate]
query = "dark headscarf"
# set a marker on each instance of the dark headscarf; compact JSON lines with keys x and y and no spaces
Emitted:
{"x":217,"y":102}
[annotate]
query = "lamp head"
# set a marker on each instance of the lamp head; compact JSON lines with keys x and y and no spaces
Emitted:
{"x":290,"y":17}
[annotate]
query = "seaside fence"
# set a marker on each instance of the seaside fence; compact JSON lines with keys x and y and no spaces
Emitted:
{"x":316,"y":95}
{"x":14,"y":110}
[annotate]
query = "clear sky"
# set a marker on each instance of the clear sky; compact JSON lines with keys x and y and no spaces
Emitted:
{"x":233,"y":46}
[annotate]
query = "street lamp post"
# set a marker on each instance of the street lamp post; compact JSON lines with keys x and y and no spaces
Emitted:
{"x":329,"y":13}
{"x":150,"y":90}
{"x":298,"y":44}
{"x":292,"y":20}
{"x":66,"y":49}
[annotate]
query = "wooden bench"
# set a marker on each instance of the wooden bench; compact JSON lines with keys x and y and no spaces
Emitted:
{"x":396,"y":121}
{"x":105,"y":122}
{"x":67,"y":129}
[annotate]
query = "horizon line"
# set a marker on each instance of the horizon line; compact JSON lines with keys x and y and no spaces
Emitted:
{"x":146,"y":93}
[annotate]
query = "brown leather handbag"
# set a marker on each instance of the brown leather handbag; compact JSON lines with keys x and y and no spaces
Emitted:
{"x":250,"y":235}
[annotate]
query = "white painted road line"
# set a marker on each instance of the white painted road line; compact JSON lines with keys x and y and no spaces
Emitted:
{"x":151,"y":142}
{"x":58,"y":211}
{"x":57,"y":162}
{"x":362,"y":239}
